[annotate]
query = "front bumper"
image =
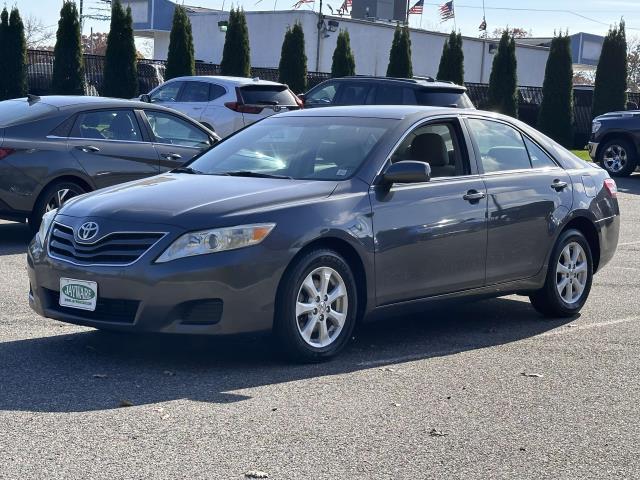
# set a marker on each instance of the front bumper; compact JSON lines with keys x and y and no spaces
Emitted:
{"x":592,"y":148}
{"x":217,"y":294}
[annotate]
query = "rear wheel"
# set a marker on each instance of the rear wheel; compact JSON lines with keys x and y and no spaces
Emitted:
{"x":569,"y":277}
{"x":53,"y":196}
{"x":618,"y":157}
{"x":317,"y":305}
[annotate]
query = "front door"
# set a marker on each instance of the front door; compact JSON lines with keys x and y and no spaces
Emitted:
{"x":109,"y":146}
{"x":528,"y":195}
{"x":430,"y":238}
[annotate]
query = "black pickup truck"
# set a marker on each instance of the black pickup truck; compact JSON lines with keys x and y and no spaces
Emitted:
{"x":615,"y":142}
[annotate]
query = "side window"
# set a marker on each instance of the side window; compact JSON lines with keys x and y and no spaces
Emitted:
{"x":216,"y":91}
{"x":389,"y":95}
{"x":323,"y":96}
{"x":438,"y":145}
{"x":539,"y":159}
{"x":195,"y":92}
{"x":353,"y":94}
{"x":168,"y":128}
{"x":501,"y":146}
{"x":167,"y":93}
{"x":108,"y":125}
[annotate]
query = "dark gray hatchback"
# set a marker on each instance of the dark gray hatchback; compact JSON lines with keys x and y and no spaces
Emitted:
{"x":310,"y":221}
{"x":54,"y":148}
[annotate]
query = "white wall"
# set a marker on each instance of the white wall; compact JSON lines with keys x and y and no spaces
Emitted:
{"x":370,"y":43}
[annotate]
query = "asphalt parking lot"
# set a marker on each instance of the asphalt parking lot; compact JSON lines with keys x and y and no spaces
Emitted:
{"x":483,"y":390}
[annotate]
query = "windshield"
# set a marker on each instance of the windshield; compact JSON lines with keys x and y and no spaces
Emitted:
{"x":319,"y":148}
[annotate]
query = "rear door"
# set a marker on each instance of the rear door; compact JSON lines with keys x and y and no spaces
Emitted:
{"x":354,"y":93}
{"x":193,"y":99}
{"x":109,"y":144}
{"x":260,"y":101}
{"x":175,"y":139}
{"x":528,"y":193}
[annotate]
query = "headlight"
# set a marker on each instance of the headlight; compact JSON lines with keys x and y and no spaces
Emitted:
{"x":47,"y":220}
{"x":217,"y":240}
{"x":595,"y":126}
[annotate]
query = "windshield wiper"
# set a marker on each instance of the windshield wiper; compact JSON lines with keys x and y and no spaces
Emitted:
{"x":249,"y":173}
{"x":186,"y":170}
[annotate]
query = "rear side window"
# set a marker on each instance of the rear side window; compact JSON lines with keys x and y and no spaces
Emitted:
{"x":172,"y":130}
{"x":353,"y":94}
{"x":195,"y":92}
{"x":216,"y":91}
{"x":393,"y":95}
{"x":539,"y":158}
{"x":501,"y":146}
{"x":267,"y":95}
{"x":443,"y":98}
{"x":18,"y":111}
{"x":108,"y":125}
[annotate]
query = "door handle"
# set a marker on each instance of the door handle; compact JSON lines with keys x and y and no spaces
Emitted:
{"x":88,"y":148}
{"x":474,"y":196}
{"x":559,"y":185}
{"x":172,"y":156}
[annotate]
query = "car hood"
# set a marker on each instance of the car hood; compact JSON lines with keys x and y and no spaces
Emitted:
{"x":192,"y":201}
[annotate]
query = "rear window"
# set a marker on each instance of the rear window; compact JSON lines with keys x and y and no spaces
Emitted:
{"x":443,"y":98}
{"x":267,"y":95}
{"x":18,"y":111}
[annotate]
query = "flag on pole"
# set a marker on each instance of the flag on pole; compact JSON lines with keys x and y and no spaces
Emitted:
{"x":299,"y":3}
{"x":346,"y":5}
{"x":483,"y":25}
{"x":417,"y":8}
{"x":446,"y":11}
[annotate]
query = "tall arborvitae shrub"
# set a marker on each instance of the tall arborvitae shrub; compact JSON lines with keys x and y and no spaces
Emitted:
{"x":344,"y":63}
{"x":180,"y":59}
{"x":120,"y":63}
{"x":400,"y":54}
{"x":293,"y":60}
{"x":610,"y":91}
{"x":556,"y":111}
{"x":452,"y":60}
{"x":503,"y":81}
{"x":5,"y":52}
{"x":14,"y":64}
{"x":235,"y":54}
{"x":68,"y":68}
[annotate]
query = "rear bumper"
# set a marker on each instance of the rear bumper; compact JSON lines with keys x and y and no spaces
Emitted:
{"x":608,"y":234}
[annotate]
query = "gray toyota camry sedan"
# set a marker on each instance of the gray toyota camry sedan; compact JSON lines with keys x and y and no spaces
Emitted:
{"x":309,"y":222}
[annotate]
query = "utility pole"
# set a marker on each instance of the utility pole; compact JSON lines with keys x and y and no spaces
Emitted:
{"x":320,"y":25}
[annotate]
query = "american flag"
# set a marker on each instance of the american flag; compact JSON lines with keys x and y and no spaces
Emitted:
{"x":417,"y":8}
{"x":446,"y":11}
{"x":346,"y":5}
{"x":299,"y":3}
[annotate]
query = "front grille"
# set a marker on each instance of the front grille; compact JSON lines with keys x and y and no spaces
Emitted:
{"x":119,"y":248}
{"x":107,"y":309}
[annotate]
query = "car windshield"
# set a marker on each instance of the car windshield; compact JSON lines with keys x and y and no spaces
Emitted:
{"x":319,"y":148}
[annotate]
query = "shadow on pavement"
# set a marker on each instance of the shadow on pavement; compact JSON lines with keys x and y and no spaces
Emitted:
{"x":630,"y":184}
{"x":14,"y":238}
{"x":56,"y":373}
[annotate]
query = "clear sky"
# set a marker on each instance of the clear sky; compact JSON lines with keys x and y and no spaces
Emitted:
{"x":542,"y":17}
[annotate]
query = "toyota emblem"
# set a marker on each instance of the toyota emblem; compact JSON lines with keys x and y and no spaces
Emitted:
{"x":87,"y":231}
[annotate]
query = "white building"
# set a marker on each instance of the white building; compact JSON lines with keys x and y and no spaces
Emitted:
{"x":370,"y":41}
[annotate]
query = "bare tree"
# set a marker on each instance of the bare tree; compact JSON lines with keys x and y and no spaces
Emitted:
{"x":37,"y":35}
{"x":633,"y":58}
{"x":515,"y":32}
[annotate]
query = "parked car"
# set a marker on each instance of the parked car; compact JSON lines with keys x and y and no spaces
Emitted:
{"x":224,"y":104}
{"x":54,"y":148}
{"x":362,"y":90}
{"x":309,"y":221}
{"x":615,"y":142}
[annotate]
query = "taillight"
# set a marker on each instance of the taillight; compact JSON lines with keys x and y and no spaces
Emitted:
{"x":611,"y":187}
{"x":242,"y":108}
{"x":5,"y":152}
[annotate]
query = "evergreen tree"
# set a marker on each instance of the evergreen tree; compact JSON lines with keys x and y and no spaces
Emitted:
{"x":452,"y":60}
{"x":235,"y":55}
{"x":400,"y":54}
{"x":5,"y":51}
{"x":180,"y":59}
{"x":344,"y":63}
{"x":610,"y":93}
{"x":68,"y":67}
{"x":120,"y":63}
{"x":13,"y":62}
{"x":556,"y":111}
{"x":293,"y":60}
{"x":445,"y":62}
{"x":503,"y":81}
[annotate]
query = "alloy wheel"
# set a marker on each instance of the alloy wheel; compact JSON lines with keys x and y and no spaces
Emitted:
{"x":321,"y":307}
{"x":615,"y":158}
{"x":571,"y":273}
{"x":60,"y":197}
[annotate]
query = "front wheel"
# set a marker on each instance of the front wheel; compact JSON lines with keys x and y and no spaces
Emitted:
{"x":569,"y":277}
{"x":317,"y":307}
{"x":618,"y":157}
{"x":53,"y":196}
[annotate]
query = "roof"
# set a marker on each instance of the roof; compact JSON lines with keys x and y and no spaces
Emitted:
{"x":421,"y":81}
{"x":397,"y":112}
{"x":62,"y":101}
{"x":223,"y":78}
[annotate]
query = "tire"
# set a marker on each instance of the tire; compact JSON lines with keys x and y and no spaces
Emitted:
{"x":323,"y":330}
{"x":618,"y":157}
{"x":552,"y":300}
{"x":53,"y":196}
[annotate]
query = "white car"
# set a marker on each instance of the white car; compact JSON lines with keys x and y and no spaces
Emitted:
{"x":224,"y":104}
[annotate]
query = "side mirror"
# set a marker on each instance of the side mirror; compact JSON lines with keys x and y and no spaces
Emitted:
{"x":407,"y":171}
{"x":301,"y":96}
{"x":145,"y":98}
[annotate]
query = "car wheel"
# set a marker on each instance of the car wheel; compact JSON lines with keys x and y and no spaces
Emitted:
{"x":317,"y":307}
{"x":618,"y":157}
{"x":53,"y":196}
{"x":569,"y":277}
